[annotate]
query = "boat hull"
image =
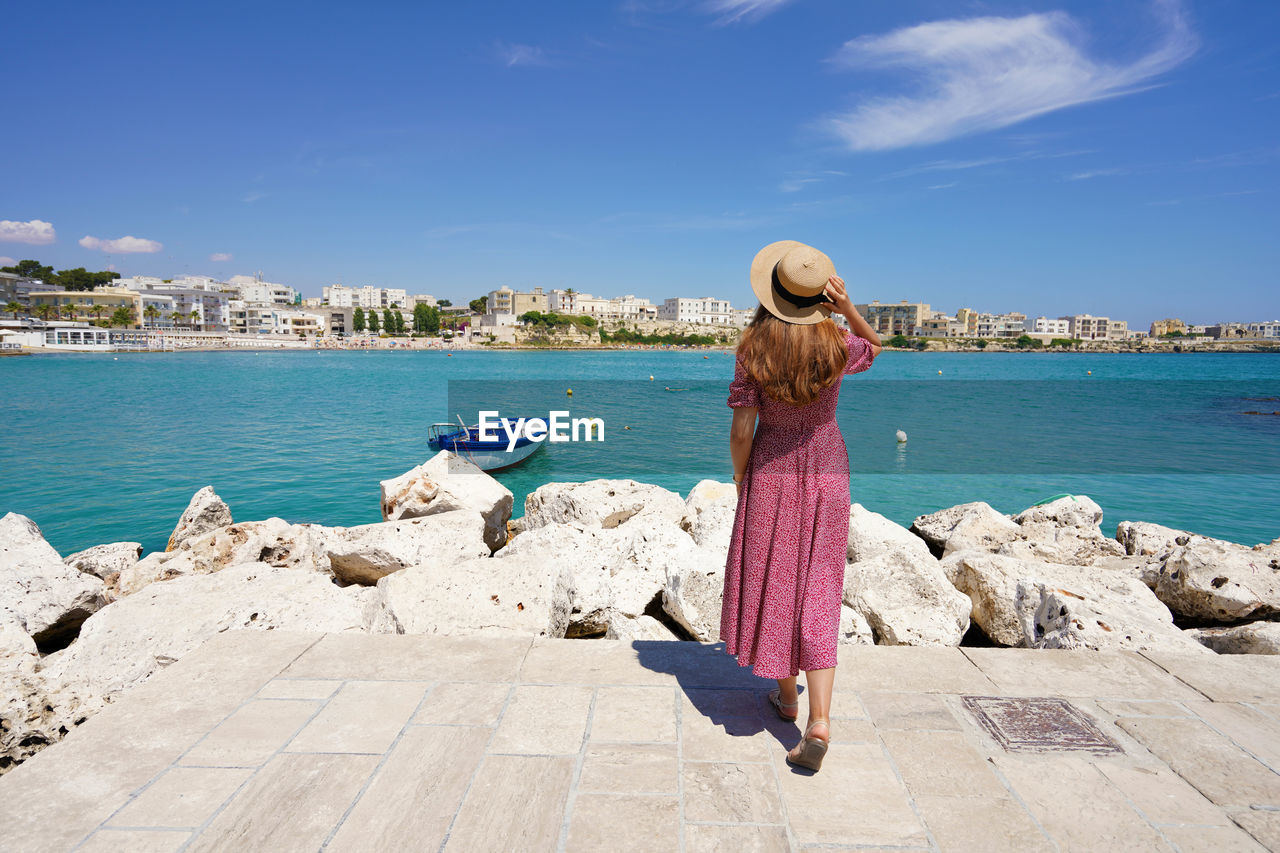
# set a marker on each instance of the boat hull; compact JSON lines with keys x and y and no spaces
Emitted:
{"x":486,"y":455}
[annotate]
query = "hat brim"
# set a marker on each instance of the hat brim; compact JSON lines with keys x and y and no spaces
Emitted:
{"x":762,"y":283}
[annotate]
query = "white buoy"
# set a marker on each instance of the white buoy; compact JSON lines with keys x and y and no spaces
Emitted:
{"x":902,"y":437}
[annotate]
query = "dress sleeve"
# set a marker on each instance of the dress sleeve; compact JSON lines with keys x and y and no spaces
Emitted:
{"x":860,"y":354}
{"x":744,"y":392}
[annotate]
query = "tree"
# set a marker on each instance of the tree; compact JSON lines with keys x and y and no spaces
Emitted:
{"x":399,"y":318}
{"x":13,"y":308}
{"x":373,"y":321}
{"x":480,"y":306}
{"x":444,"y":303}
{"x":1028,"y":342}
{"x":426,"y":319}
{"x":357,"y":320}
{"x":176,"y":317}
{"x":122,"y":316}
{"x":152,"y":313}
{"x":194,"y":314}
{"x":81,"y":279}
{"x":97,"y":310}
{"x":30,"y":269}
{"x":43,"y":310}
{"x":898,"y":342}
{"x":388,"y":321}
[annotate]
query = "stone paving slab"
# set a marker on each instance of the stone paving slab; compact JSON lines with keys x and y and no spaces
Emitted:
{"x":277,"y":741}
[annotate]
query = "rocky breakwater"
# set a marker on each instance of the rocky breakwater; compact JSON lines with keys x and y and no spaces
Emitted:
{"x":606,"y":559}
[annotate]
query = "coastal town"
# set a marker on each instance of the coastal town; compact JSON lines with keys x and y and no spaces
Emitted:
{"x":77,"y":311}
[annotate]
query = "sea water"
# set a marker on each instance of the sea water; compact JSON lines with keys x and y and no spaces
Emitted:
{"x":100,"y":447}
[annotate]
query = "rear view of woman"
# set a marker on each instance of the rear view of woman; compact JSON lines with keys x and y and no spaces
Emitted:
{"x":785,"y":573}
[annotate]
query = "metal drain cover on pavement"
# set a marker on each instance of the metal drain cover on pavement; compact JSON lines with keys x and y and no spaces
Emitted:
{"x":1038,"y":725}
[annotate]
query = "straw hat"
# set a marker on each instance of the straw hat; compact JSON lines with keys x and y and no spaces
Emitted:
{"x":789,"y":279}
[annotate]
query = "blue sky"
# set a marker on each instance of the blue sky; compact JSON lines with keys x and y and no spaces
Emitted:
{"x":1048,"y":157}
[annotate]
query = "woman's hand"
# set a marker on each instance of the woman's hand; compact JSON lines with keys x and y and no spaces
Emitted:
{"x":837,"y":297}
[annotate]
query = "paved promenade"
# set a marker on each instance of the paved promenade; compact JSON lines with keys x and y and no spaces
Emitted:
{"x":280,"y":741}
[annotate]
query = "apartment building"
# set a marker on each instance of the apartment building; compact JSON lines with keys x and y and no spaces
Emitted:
{"x":368,"y":297}
{"x":1167,"y":326}
{"x":1087,"y":327}
{"x":1055,"y":326}
{"x":504,"y":300}
{"x":902,"y":318}
{"x":100,"y":302}
{"x":705,"y":310}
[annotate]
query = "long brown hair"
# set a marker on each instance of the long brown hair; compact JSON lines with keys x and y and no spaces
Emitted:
{"x":792,"y":362}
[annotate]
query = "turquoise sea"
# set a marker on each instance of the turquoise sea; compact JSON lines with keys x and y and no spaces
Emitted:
{"x":99,"y":448}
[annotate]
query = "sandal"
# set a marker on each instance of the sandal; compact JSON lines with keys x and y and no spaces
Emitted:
{"x":811,"y":749}
{"x":789,"y":711}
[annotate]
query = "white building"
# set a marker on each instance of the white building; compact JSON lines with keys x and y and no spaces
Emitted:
{"x":266,"y":293}
{"x":704,"y":309}
{"x":288,"y":321}
{"x":623,"y":308}
{"x":367,"y":297}
{"x":1269,"y":329}
{"x":1087,"y":327}
{"x":203,"y":310}
{"x":1058,"y":327}
{"x":743,"y":316}
{"x":1009,"y":325}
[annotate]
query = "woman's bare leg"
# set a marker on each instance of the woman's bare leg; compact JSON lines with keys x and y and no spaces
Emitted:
{"x":787,"y":693}
{"x":819,"y":684}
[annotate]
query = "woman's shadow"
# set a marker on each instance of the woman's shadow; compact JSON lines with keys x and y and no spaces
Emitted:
{"x":727,"y":695}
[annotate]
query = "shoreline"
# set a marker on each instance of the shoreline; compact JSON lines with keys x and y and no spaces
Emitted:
{"x":1254,"y":348}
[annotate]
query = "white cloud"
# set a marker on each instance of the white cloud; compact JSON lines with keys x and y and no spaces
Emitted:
{"x":122,"y":245}
{"x":6,"y":261}
{"x":37,"y":232}
{"x":220,"y":256}
{"x":521,"y":54}
{"x":1096,"y":173}
{"x":943,"y":186}
{"x":250,"y":198}
{"x":979,"y":74}
{"x":747,"y":11}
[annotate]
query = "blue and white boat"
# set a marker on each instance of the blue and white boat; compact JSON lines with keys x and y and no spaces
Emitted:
{"x":466,"y":443}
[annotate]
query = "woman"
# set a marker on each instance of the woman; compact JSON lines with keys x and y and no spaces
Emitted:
{"x":785,"y":573}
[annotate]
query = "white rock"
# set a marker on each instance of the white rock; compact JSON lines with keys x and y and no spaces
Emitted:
{"x":1253,"y":638}
{"x":205,"y":512}
{"x":474,"y":596}
{"x":34,"y":714}
{"x":1216,"y":581}
{"x":897,"y":587}
{"x":854,"y":628}
{"x":367,"y":553}
{"x":125,"y":643}
{"x":1069,"y":511}
{"x":709,"y":512}
{"x":445,"y":483}
{"x":42,"y":596}
{"x":1143,"y":539}
{"x":106,"y":561}
{"x":273,"y":541}
{"x":17,"y":649}
{"x":1046,"y":605}
{"x":907,"y":600}
{"x":641,"y":628}
{"x":965,"y":527}
{"x":1062,"y":531}
{"x":873,"y":535}
{"x":360,"y":554}
{"x":600,"y":503}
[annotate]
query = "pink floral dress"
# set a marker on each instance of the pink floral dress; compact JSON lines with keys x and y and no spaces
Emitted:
{"x":784,"y":578}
